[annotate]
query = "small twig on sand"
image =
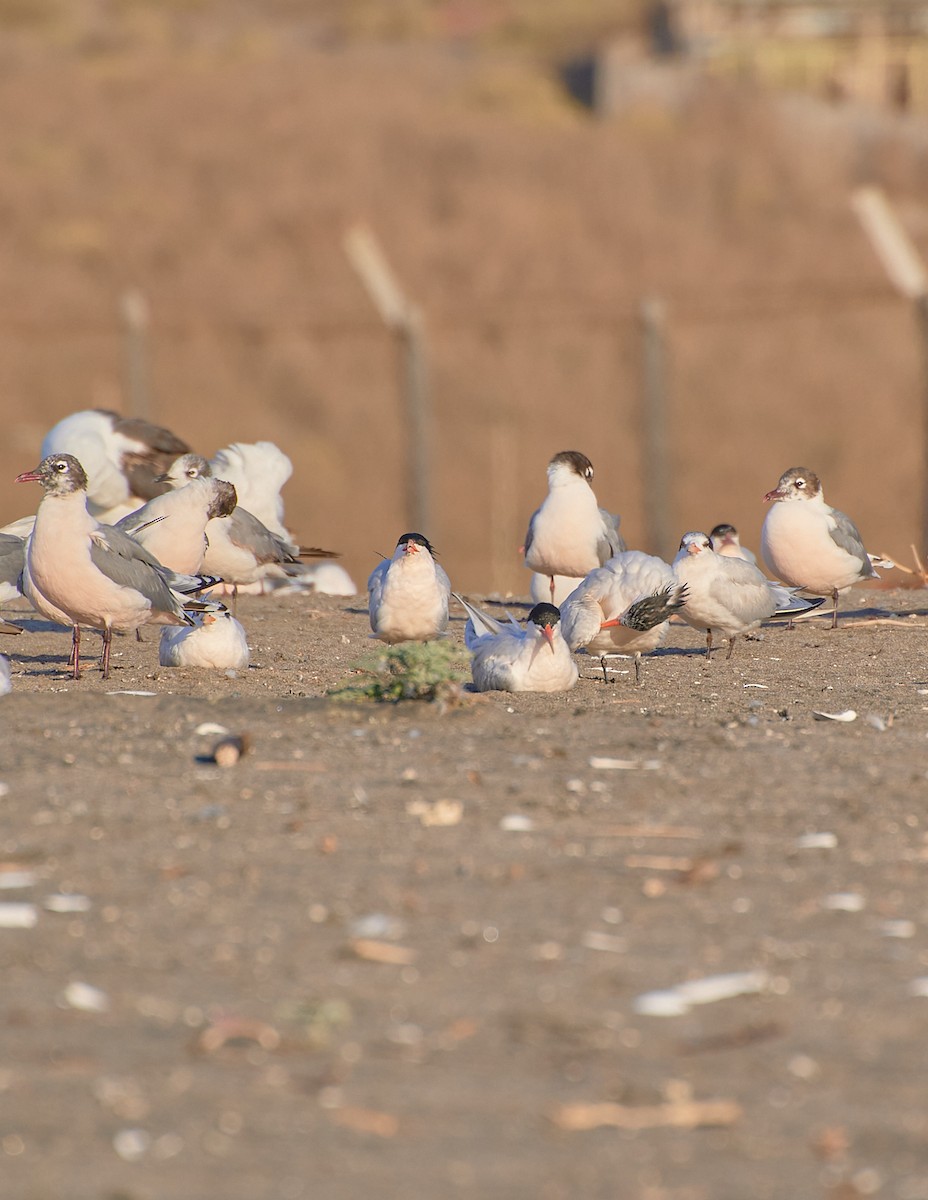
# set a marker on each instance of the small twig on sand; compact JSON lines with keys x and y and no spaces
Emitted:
{"x":681,"y":1114}
{"x":918,"y":572}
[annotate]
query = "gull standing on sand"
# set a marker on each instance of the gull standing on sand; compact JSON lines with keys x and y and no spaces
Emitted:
{"x":728,"y":596}
{"x":121,"y":457}
{"x":807,"y":543}
{"x":570,"y":534}
{"x":726,"y":541}
{"x":622,"y":608}
{"x":513,"y":658}
{"x":407,"y":595}
{"x":79,"y":572}
{"x":216,"y":640}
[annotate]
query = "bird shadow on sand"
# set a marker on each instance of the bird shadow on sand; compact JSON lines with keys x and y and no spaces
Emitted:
{"x":47,"y":665}
{"x":36,"y":624}
{"x":848,"y":616}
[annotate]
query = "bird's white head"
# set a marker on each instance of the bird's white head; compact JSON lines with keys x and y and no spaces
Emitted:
{"x":797,"y":483}
{"x":694,"y":543}
{"x":184,"y":469}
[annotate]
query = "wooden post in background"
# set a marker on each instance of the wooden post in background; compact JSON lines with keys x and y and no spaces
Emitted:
{"x":504,"y":502}
{"x":136,"y":317}
{"x":655,"y":460}
{"x":405,"y":322}
{"x":903,"y":264}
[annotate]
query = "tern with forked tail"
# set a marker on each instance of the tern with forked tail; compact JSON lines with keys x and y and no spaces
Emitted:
{"x":513,"y":658}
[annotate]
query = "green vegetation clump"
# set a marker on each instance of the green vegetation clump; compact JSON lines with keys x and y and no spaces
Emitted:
{"x":409,"y":671}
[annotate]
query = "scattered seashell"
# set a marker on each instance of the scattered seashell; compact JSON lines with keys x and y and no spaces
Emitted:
{"x":367,"y":1120}
{"x":517,"y":823}
{"x":624,"y":764}
{"x":67,"y":902}
{"x":803,"y":1067}
{"x":675,"y":1001}
{"x":677,"y":1114}
{"x":667,"y":1003}
{"x":847,"y":715}
{"x":608,"y":943}
{"x":237,"y":1029}
{"x":85,"y":997}
{"x":382,"y":952}
{"x":816,"y":841}
{"x":18,"y":916}
{"x":209,"y":727}
{"x":127,"y":692}
{"x":844,"y":902}
{"x":131,"y":1144}
{"x":438,"y":812}
{"x":898,"y":929}
{"x":880,"y":724}
{"x":13,"y":879}
{"x":377,"y":925}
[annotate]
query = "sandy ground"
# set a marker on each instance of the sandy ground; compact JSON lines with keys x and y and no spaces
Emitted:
{"x":304,"y":976}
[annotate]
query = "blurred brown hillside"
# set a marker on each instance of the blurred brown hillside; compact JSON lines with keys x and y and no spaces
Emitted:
{"x":214,"y":159}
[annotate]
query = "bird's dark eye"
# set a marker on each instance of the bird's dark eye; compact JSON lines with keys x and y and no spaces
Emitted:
{"x":588,"y":472}
{"x":61,"y":466}
{"x":800,"y":483}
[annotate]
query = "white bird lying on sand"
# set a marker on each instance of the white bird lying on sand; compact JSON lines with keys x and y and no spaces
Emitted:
{"x":622,"y":608}
{"x":729,"y":596}
{"x":407,"y":595}
{"x":216,"y":640}
{"x":513,"y":658}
